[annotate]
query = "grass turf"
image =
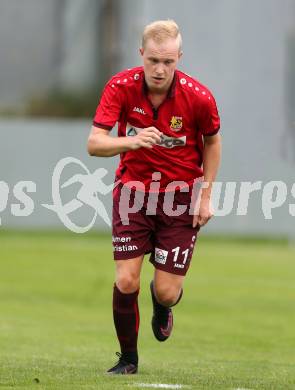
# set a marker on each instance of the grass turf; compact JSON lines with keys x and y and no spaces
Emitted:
{"x":233,"y":329}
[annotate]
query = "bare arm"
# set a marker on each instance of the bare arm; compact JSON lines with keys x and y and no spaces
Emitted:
{"x":211,"y":161}
{"x":101,"y":144}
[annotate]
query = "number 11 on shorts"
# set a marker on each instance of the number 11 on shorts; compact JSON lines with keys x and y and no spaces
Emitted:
{"x":176,"y":253}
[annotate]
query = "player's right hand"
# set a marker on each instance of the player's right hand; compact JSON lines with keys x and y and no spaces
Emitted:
{"x":147,"y":138}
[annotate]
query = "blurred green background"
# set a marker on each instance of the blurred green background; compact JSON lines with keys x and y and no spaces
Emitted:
{"x":233,"y":329}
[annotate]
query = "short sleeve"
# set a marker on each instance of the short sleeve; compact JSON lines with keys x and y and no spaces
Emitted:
{"x":109,"y":108}
{"x":209,"y":121}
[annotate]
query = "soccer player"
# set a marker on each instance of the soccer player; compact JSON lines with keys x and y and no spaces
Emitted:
{"x":168,"y":127}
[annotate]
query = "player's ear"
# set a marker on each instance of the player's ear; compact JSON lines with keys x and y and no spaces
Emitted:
{"x":141,"y":51}
{"x":180,"y":54}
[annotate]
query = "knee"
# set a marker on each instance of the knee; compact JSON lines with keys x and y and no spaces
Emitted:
{"x":167,"y":295}
{"x":127,"y":283}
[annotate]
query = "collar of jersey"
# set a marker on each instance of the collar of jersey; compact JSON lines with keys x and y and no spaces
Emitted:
{"x":171,"y":91}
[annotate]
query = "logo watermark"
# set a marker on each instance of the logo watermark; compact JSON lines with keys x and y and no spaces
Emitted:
{"x":92,"y":186}
{"x":227,"y":198}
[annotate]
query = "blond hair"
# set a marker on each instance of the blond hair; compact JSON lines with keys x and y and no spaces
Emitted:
{"x":160,"y":30}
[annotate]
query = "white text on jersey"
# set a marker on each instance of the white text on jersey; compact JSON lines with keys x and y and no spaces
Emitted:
{"x":139,"y":110}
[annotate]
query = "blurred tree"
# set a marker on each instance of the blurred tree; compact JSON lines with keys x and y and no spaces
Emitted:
{"x":109,"y":28}
{"x":289,"y":147}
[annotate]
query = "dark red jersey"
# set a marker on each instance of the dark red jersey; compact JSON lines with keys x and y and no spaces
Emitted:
{"x":187,"y":114}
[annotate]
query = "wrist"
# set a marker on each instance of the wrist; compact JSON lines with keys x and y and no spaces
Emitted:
{"x":129,"y":143}
{"x":206,"y":194}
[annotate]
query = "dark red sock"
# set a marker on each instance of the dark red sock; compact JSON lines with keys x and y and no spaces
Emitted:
{"x":126,"y":320}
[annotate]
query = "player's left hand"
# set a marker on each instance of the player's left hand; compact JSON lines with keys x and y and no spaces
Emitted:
{"x":203,"y":212}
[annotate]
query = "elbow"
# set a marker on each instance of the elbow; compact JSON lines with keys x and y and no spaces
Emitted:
{"x":90,"y":148}
{"x":95,"y":150}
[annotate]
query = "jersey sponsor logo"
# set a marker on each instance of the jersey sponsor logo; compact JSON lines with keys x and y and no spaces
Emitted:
{"x":139,"y":110}
{"x":131,"y":131}
{"x":166,"y":141}
{"x":171,"y":142}
{"x":161,"y":256}
{"x":176,"y":123}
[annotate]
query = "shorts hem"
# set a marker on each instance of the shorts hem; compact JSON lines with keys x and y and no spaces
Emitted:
{"x":174,"y":271}
{"x":128,"y":255}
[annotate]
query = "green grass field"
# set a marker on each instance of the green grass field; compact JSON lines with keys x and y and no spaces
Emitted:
{"x":234,"y":329}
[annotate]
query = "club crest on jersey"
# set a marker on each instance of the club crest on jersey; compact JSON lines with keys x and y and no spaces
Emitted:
{"x":176,"y":123}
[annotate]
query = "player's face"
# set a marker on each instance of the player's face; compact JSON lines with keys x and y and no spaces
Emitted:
{"x":159,"y":62}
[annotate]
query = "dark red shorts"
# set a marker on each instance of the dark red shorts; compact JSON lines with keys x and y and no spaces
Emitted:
{"x":169,"y":239}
